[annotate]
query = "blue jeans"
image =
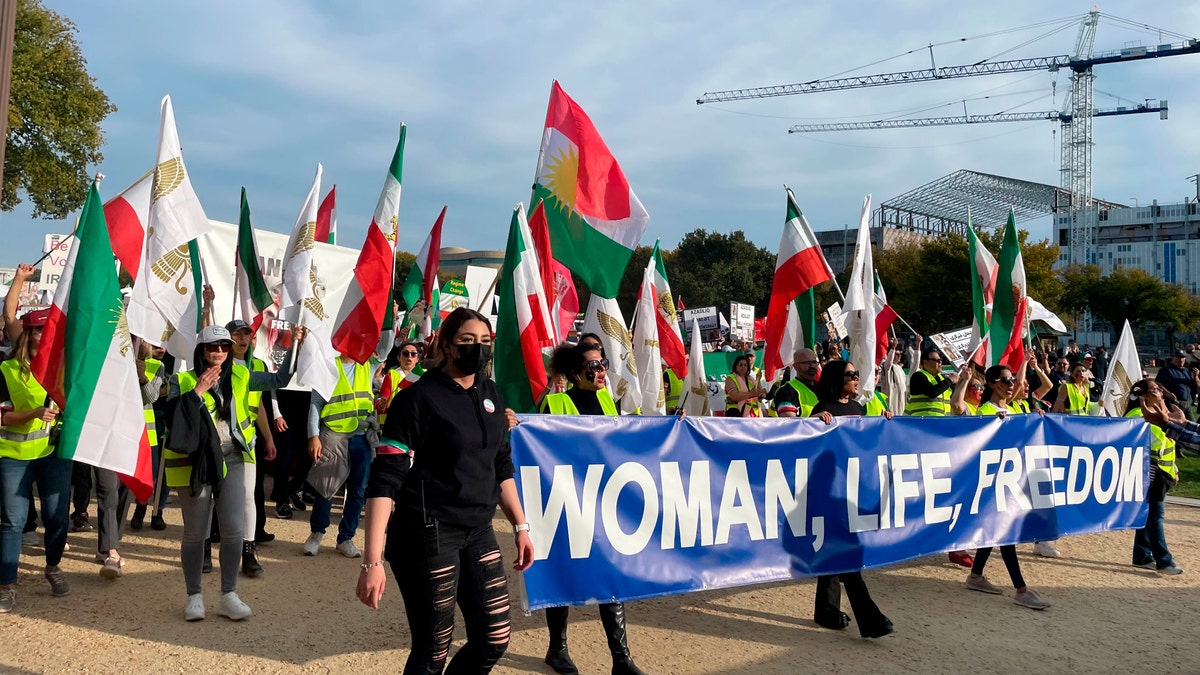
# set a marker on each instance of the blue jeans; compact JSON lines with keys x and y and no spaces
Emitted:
{"x":1150,"y":542}
{"x":356,"y":487}
{"x":53,"y":478}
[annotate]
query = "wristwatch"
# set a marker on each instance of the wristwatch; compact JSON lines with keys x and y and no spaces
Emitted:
{"x":523,"y":527}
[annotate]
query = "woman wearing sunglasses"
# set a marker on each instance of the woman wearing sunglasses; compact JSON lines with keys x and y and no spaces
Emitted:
{"x":586,"y":368}
{"x":219,"y":391}
{"x":401,"y":368}
{"x":836,"y":393}
{"x":1001,"y":388}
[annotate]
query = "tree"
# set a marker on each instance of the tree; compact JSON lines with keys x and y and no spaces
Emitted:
{"x":54,"y":116}
{"x":404,"y":263}
{"x":1131,"y":295}
{"x":714,"y":269}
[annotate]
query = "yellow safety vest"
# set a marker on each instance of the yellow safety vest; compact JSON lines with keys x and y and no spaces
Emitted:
{"x":808,"y":399}
{"x":1162,"y":449}
{"x":178,"y":468}
{"x":1077,"y":401}
{"x":350,"y":404}
{"x":255,"y":365}
{"x":675,"y":389}
{"x":561,"y":404}
{"x":928,"y":406}
{"x":877,"y":405}
{"x":751,"y":404}
{"x":972,"y":409}
{"x":990,"y":408}
{"x":31,"y":440}
{"x":152,"y":368}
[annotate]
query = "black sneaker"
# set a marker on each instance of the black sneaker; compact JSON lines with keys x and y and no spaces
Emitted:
{"x":80,"y":523}
{"x":283,"y":511}
{"x":157,"y":522}
{"x":298,"y":503}
{"x":139,"y":517}
{"x":263,"y":537}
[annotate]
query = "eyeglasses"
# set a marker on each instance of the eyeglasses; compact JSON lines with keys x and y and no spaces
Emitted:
{"x":409,"y":354}
{"x":852,"y":375}
{"x":217,"y":346}
{"x":593,"y":365}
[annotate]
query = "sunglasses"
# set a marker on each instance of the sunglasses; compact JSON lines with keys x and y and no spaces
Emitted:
{"x":217,"y":346}
{"x":852,"y":375}
{"x":409,"y":354}
{"x":1005,"y":380}
{"x":593,"y":366}
{"x":977,"y":387}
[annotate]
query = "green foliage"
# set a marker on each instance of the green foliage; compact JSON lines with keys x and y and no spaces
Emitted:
{"x":714,"y":269}
{"x":404,"y":263}
{"x":1189,"y":476}
{"x":631,"y":282}
{"x":54,"y":116}
{"x":1131,"y":295}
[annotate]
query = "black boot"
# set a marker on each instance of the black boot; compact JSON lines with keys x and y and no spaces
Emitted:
{"x":157,"y":522}
{"x":556,"y":655}
{"x":207,"y":566}
{"x":250,"y":564}
{"x":612,"y":616}
{"x":139,"y":517}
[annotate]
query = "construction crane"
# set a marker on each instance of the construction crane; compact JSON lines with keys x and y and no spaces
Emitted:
{"x":1077,"y":137}
{"x":1062,"y":118}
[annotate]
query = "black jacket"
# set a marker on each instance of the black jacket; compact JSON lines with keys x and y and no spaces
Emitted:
{"x":192,"y":432}
{"x":459,"y":439}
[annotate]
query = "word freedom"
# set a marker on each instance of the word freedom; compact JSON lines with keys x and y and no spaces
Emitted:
{"x":692,"y":505}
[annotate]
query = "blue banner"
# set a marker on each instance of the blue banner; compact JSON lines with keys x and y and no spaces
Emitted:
{"x":623,"y":508}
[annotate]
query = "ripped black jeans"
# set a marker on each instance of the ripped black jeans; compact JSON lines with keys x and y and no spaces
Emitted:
{"x":435,"y":565}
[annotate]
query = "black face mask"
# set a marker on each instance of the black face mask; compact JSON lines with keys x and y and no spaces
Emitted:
{"x":472,"y":358}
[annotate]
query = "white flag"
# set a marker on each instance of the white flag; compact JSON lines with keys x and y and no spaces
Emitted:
{"x":695,"y":386}
{"x":604,"y":318}
{"x":860,"y":307}
{"x":302,"y":300}
{"x":646,"y":348}
{"x":163,"y":307}
{"x":1124,"y":370}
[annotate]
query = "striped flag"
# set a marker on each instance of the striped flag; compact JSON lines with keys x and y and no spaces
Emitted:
{"x":421,"y":282}
{"x":253,"y":294}
{"x":1006,"y":334}
{"x":86,"y":358}
{"x":369,"y":297}
{"x":327,"y":216}
{"x":523,"y":333}
{"x":127,"y":215}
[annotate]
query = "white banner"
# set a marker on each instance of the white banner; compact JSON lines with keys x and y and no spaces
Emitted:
{"x":58,"y":248}
{"x":334,"y":267}
{"x":954,"y":344}
{"x":741,"y":316}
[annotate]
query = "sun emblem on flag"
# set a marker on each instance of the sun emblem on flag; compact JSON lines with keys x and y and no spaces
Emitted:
{"x":167,"y":176}
{"x":124,"y":342}
{"x":304,"y":242}
{"x":562,"y":176}
{"x":666,"y":306}
{"x":175,"y":261}
{"x":395,"y":230}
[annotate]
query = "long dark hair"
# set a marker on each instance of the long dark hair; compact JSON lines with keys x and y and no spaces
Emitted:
{"x":450,"y":327}
{"x":1136,"y":392}
{"x":742,"y":358}
{"x":990,"y":377}
{"x":833,"y":380}
{"x":223,"y":392}
{"x":568,"y":360}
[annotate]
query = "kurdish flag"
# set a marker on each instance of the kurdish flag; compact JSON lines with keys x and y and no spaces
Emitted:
{"x":252,"y":292}
{"x":87,"y":361}
{"x":422,"y":277}
{"x":799,"y":266}
{"x":523,"y":331}
{"x":1006,"y":333}
{"x":595,"y":218}
{"x":368,"y":301}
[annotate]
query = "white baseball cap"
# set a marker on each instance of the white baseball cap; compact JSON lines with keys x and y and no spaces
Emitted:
{"x":211,"y":334}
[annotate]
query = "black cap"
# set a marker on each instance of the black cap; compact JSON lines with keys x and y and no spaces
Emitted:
{"x":236,"y":325}
{"x":1180,"y":352}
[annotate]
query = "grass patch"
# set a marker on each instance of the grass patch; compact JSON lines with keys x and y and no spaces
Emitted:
{"x":1189,"y":476}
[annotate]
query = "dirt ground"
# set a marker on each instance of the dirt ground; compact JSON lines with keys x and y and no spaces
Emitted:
{"x":1107,"y":616}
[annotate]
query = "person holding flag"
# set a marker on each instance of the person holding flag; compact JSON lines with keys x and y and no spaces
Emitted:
{"x":27,"y":456}
{"x":206,"y":453}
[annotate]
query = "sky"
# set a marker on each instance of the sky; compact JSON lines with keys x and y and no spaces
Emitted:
{"x":265,"y":90}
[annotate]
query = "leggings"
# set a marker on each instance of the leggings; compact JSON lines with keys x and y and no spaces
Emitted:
{"x":197,"y":511}
{"x":112,"y":499}
{"x":1009,"y":554}
{"x":433,"y":563}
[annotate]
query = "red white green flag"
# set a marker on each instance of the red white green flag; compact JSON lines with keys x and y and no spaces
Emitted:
{"x":983,"y":287}
{"x":670,"y":341}
{"x":421,"y":282}
{"x":595,"y":218}
{"x":127,"y":215}
{"x":523,"y":332}
{"x":327,"y":215}
{"x":1006,"y":334}
{"x":364,"y":311}
{"x":556,"y":278}
{"x":86,"y":361}
{"x":252,"y":292}
{"x":799,"y":266}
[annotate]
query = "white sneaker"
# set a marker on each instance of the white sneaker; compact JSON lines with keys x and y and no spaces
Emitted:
{"x":194,"y":610}
{"x":348,"y":549}
{"x":233,"y":607}
{"x":1045,"y":549}
{"x":313,"y":543}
